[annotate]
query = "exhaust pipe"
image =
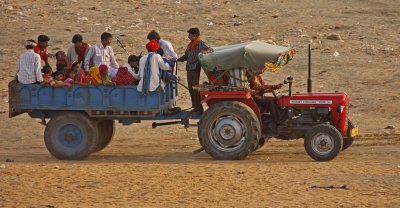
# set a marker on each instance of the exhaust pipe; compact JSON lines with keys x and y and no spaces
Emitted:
{"x":309,"y":81}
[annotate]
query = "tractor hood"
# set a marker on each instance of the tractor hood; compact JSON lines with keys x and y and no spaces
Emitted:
{"x":254,"y":55}
{"x":317,"y":99}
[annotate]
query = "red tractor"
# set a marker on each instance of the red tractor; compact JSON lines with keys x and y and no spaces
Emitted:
{"x":234,"y":125}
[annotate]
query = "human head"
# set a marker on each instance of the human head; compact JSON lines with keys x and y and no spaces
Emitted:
{"x":133,"y":61}
{"x":71,"y":73}
{"x":47,"y":70}
{"x":152,"y":46}
{"x":193,"y":33}
{"x":77,"y":40}
{"x":106,"y":38}
{"x":43,"y":41}
{"x":30,"y":44}
{"x":60,"y":56}
{"x":103,"y":69}
{"x":153,"y":35}
{"x":58,"y":75}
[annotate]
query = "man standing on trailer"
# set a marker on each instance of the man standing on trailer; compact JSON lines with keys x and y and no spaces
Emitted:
{"x":193,"y":67}
{"x":102,"y":53}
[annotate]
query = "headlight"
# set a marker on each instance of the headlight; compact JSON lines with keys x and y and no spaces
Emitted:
{"x":340,"y":108}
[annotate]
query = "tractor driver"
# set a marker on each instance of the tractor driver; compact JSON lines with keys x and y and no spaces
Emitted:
{"x":259,"y":88}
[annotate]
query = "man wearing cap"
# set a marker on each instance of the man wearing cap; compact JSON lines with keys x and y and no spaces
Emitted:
{"x":40,"y":48}
{"x":102,"y":53}
{"x":29,"y":65}
{"x":193,"y":67}
{"x":149,"y":69}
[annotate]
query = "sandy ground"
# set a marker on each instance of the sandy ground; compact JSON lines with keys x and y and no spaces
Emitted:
{"x":156,"y":168}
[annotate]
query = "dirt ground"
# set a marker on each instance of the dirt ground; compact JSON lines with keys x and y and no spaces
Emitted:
{"x":143,"y":167}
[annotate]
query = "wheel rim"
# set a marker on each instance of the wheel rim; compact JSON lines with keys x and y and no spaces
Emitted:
{"x":322,"y":143}
{"x":70,"y":136}
{"x":227,"y":133}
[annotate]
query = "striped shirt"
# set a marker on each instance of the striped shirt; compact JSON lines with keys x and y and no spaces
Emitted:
{"x":192,"y":61}
{"x":29,"y":68}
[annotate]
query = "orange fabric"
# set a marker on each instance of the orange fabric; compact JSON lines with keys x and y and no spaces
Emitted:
{"x":192,"y":45}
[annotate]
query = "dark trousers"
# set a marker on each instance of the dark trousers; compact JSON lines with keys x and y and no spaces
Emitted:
{"x":272,"y":107}
{"x":193,"y":78}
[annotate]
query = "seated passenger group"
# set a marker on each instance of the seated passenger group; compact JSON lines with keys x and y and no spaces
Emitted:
{"x":96,"y":65}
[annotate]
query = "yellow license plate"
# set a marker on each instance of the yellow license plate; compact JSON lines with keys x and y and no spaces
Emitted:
{"x":354,"y":132}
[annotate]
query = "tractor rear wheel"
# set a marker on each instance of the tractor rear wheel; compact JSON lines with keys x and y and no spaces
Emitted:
{"x":323,"y":142}
{"x":71,"y":136}
{"x":106,"y":133}
{"x":229,"y":130}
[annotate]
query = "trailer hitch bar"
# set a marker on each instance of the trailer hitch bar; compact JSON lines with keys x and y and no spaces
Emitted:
{"x":184,"y":122}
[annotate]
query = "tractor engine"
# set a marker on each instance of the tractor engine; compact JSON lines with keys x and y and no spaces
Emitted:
{"x":296,"y":121}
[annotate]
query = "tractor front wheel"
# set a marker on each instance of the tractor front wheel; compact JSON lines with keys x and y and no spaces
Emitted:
{"x":229,"y":130}
{"x":323,"y":142}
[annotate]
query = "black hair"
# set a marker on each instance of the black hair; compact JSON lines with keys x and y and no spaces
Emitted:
{"x":46,"y":69}
{"x":153,"y":35}
{"x":105,"y":36}
{"x":161,"y":52}
{"x":29,"y":47}
{"x":58,"y":54}
{"x":133,"y":58}
{"x":77,"y":38}
{"x":74,"y":64}
{"x":43,"y":38}
{"x":194,"y":31}
{"x":56,"y":73}
{"x":70,"y":71}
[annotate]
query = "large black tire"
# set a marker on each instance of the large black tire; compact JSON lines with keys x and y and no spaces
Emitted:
{"x":71,"y":136}
{"x":106,"y":133}
{"x":348,"y":140}
{"x":323,"y":142}
{"x":260,"y":144}
{"x":229,"y":130}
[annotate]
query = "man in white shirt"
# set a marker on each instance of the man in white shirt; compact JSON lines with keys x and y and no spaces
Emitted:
{"x":29,"y":65}
{"x":102,"y":53}
{"x":149,"y":69}
{"x":164,"y":44}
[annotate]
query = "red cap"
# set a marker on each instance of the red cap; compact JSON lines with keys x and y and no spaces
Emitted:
{"x":152,"y":45}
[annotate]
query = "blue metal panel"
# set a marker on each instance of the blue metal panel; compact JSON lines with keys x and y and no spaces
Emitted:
{"x":86,"y":98}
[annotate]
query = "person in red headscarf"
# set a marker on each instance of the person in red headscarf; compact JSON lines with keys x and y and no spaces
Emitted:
{"x":149,"y":69}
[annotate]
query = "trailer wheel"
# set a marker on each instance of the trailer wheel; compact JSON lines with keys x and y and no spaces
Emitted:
{"x":71,"y":136}
{"x":348,"y":141}
{"x":323,"y":142}
{"x":229,"y":131}
{"x":106,"y":133}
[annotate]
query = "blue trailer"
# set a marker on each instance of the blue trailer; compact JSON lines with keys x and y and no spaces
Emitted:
{"x":82,"y":119}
